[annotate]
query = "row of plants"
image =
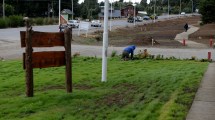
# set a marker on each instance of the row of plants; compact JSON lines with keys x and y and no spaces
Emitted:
{"x":17,"y":21}
{"x":146,"y":55}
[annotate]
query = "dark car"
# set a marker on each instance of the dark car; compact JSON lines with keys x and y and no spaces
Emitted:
{"x":131,"y":19}
{"x":146,"y":18}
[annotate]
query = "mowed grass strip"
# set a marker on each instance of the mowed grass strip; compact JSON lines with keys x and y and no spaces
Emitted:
{"x":135,"y":90}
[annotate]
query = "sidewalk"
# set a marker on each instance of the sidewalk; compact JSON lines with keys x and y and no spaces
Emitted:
{"x":203,"y":107}
{"x":184,"y":35}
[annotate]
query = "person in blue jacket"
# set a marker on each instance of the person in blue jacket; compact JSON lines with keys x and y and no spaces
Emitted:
{"x":127,"y":51}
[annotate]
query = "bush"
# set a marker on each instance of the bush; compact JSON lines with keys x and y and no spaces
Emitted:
{"x":207,"y":10}
{"x":16,"y":21}
{"x":38,"y":21}
{"x":3,"y":23}
{"x":113,"y":54}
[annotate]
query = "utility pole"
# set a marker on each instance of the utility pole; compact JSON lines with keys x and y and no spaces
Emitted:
{"x":192,"y":6}
{"x":168,"y":9}
{"x":111,"y":14}
{"x":180,"y":8}
{"x":59,"y":11}
{"x":134,"y":14}
{"x":72,"y":10}
{"x":3,"y":10}
{"x":105,"y":43}
{"x":52,"y":10}
{"x":154,"y":10}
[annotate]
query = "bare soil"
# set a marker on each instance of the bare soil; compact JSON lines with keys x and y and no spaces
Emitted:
{"x":204,"y":34}
{"x":163,"y":32}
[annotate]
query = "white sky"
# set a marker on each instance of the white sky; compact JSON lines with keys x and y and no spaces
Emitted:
{"x":80,"y":1}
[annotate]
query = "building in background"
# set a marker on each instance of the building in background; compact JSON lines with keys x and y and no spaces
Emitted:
{"x":115,"y":13}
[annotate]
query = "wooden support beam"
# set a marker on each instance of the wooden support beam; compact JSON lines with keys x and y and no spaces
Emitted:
{"x":28,"y":61}
{"x":68,"y":36}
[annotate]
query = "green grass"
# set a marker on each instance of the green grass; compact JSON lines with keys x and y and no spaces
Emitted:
{"x":135,"y":90}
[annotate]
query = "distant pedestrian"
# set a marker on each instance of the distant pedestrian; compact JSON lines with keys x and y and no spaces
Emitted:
{"x":127,"y":51}
{"x":186,"y":27}
{"x":60,"y":28}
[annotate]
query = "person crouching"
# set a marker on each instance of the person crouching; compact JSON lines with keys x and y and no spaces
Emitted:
{"x":127,"y":51}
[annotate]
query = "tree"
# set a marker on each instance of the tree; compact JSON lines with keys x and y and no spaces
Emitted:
{"x":207,"y":9}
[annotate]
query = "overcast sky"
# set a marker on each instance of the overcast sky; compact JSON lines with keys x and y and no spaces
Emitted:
{"x":80,"y":1}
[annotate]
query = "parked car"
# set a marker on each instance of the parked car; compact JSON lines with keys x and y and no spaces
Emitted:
{"x":96,"y":23}
{"x":146,"y":18}
{"x":139,"y":19}
{"x":183,"y":13}
{"x":152,"y":17}
{"x":130,"y":19}
{"x":73,"y":23}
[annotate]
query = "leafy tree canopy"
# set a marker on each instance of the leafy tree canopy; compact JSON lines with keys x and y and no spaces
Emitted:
{"x":207,"y":9}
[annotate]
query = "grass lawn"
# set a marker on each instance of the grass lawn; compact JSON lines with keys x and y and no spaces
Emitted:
{"x":135,"y":90}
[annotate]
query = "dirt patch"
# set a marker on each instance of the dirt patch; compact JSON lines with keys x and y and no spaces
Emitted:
{"x":121,"y":98}
{"x":52,"y":87}
{"x":163,"y":32}
{"x":82,"y":87}
{"x":204,"y":34}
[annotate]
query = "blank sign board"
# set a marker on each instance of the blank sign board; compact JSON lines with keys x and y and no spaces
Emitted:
{"x":84,"y":26}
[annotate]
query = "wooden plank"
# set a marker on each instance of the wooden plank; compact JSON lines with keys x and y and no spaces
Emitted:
{"x":44,"y":39}
{"x":48,"y":59}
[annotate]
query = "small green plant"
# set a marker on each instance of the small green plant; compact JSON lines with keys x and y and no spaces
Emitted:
{"x":159,"y":57}
{"x":193,"y":58}
{"x":113,"y":54}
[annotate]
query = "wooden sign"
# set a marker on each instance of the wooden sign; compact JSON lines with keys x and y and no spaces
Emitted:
{"x":44,"y":59}
{"x":47,"y":59}
{"x":43,"y":39}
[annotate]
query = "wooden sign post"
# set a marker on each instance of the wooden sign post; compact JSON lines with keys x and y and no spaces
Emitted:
{"x":44,"y":59}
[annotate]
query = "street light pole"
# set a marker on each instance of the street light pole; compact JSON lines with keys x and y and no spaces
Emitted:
{"x":154,"y":10}
{"x":111,"y":14}
{"x":168,"y":9}
{"x":59,"y":11}
{"x":3,"y":10}
{"x":192,"y":6}
{"x":134,"y":14}
{"x":72,"y":10}
{"x":105,"y":43}
{"x":180,"y":8}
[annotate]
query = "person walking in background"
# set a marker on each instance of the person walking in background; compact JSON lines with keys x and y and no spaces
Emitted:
{"x":127,"y":51}
{"x":186,"y":27}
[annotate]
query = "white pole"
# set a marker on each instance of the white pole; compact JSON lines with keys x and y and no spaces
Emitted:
{"x":154,"y":10}
{"x":72,"y":10}
{"x":152,"y":42}
{"x":111,"y":14}
{"x":192,"y":6}
{"x":3,"y":11}
{"x":168,"y":9}
{"x":180,"y":8}
{"x":59,"y":11}
{"x":105,"y":43}
{"x":134,"y":14}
